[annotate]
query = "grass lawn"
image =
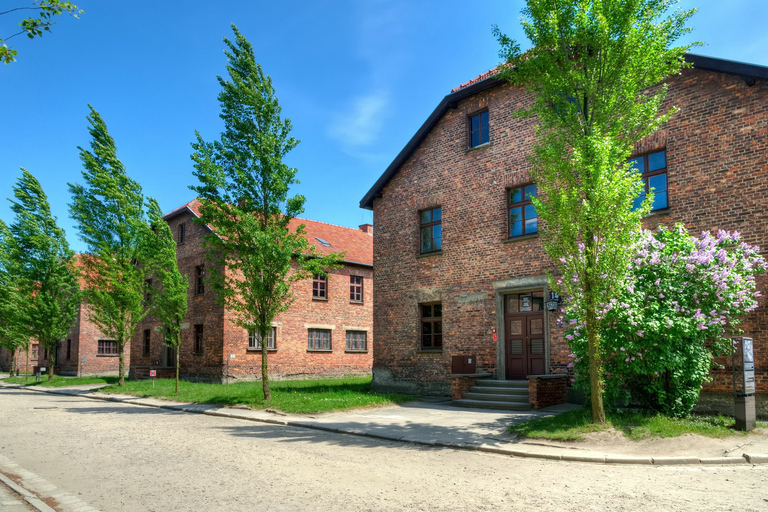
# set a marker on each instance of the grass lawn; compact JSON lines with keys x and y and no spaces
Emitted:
{"x":291,"y":396}
{"x":573,"y":425}
{"x":59,"y":381}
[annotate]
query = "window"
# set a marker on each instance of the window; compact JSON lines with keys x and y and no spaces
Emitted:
{"x":182,"y":233}
{"x":254,"y":340}
{"x":478,"y":129}
{"x":107,"y":348}
{"x":356,"y":288}
{"x":199,"y":280}
{"x":319,"y":287}
{"x":653,"y":168}
{"x":198,"y":348}
{"x":45,"y":354}
{"x":34,"y":352}
{"x":356,"y":340}
{"x":522,"y":214}
{"x":147,"y":291}
{"x":431,"y":326}
{"x":431,"y":230}
{"x":319,"y":339}
{"x":69,"y":350}
{"x":147,"y":340}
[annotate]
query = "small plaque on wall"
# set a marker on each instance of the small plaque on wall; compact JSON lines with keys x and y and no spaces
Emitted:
{"x":525,"y":303}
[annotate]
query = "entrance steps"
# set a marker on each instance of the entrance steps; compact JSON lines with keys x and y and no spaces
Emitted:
{"x":509,"y":395}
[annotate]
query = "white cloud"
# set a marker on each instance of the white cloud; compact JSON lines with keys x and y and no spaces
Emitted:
{"x":360,"y":124}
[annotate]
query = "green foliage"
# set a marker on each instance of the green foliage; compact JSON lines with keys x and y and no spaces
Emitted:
{"x":244,"y":198}
{"x":14,"y":333}
{"x":291,"y":396}
{"x":34,"y":26}
{"x":661,"y":334}
{"x":43,"y":264}
{"x":594,"y":68}
{"x":168,"y":295}
{"x":636,"y":426}
{"x":110,"y":214}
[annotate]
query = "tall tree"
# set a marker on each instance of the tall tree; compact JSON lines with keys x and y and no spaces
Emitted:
{"x":14,"y":334}
{"x":168,"y":296}
{"x":45,"y":266}
{"x":244,"y":194}
{"x":110,"y":214}
{"x":34,"y":26}
{"x":597,"y":69}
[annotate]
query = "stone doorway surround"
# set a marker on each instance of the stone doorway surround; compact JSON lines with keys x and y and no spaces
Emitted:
{"x":501,"y":289}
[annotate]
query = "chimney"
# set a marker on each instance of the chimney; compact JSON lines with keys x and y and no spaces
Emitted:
{"x":366,"y":228}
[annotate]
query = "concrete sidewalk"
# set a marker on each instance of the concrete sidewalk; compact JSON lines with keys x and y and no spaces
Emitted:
{"x":433,"y":424}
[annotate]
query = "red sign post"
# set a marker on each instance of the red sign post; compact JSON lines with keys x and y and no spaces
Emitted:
{"x":153,"y":374}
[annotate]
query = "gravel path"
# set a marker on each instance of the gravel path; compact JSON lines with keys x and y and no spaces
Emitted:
{"x":122,"y":457}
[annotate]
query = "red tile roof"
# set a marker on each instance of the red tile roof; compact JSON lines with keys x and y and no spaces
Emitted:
{"x":480,"y":78}
{"x":359,"y":245}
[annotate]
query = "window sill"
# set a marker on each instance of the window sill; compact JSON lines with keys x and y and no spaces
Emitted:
{"x":319,"y":350}
{"x":107,"y":355}
{"x":319,"y":299}
{"x":474,"y":148}
{"x":258,"y":350}
{"x":430,"y":351}
{"x":520,"y":238}
{"x":660,"y":211}
{"x":356,"y":302}
{"x":355,"y":351}
{"x":427,"y":254}
{"x":197,"y":353}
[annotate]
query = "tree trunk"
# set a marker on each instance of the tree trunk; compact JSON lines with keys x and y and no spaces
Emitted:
{"x":264,"y":368}
{"x":121,"y":366}
{"x":26,"y":370}
{"x":13,"y":362}
{"x":595,"y":377}
{"x":51,"y":363}
{"x":178,"y":345}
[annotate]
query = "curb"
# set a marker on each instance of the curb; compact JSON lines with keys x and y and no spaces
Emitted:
{"x":750,"y":459}
{"x":30,"y":498}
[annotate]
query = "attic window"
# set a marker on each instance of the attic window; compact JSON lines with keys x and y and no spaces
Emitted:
{"x":324,"y":243}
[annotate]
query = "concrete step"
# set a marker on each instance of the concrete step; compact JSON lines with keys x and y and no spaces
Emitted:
{"x":482,"y":404}
{"x":490,"y":397}
{"x":493,"y":383}
{"x":499,"y":391}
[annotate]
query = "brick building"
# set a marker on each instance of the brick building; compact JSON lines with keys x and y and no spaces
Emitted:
{"x":6,"y":358}
{"x":454,"y":276}
{"x":85,"y":350}
{"x":327,"y":331}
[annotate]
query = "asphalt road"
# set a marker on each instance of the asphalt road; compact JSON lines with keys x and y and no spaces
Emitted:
{"x":123,"y":457}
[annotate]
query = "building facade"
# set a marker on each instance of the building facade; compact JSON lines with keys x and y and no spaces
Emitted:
{"x":459,"y":265}
{"x":327,"y":331}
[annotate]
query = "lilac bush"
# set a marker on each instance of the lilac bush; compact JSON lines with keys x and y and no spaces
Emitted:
{"x":684,"y":298}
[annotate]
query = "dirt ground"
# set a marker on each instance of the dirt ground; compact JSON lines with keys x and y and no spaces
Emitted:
{"x":123,"y":457}
{"x":687,"y":444}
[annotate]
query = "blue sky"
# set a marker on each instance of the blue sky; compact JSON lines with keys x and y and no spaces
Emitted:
{"x":357,"y":79}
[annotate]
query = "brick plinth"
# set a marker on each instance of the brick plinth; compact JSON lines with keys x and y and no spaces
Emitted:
{"x":460,"y":384}
{"x":547,"y":390}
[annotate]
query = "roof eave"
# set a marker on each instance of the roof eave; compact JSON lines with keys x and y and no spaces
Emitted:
{"x":448,"y":101}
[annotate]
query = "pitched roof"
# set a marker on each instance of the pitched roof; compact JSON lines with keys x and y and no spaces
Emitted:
{"x":359,"y":245}
{"x":488,"y":80}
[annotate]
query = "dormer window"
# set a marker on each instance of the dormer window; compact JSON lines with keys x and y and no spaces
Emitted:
{"x":323,"y":242}
{"x":478,"y":129}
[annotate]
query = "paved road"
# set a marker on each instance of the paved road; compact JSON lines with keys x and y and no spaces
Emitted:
{"x":115,"y":456}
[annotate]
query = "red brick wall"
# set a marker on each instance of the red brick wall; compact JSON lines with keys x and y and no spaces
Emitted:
{"x":222,"y":337}
{"x":717,"y":154}
{"x":85,"y":337}
{"x":545,"y":391}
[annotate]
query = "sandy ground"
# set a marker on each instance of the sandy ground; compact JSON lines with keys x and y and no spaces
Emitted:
{"x":123,"y":457}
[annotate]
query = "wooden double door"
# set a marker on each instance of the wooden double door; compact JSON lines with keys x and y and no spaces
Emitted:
{"x":525,"y":344}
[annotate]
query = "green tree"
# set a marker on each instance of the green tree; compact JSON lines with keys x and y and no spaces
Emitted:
{"x":168,"y":297}
{"x":244,"y":198}
{"x":596,"y":68}
{"x":34,"y":26}
{"x":110,"y":214}
{"x":45,"y":267}
{"x":14,"y":334}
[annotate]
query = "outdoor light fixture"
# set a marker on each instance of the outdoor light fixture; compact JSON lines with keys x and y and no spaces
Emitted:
{"x":554,"y":300}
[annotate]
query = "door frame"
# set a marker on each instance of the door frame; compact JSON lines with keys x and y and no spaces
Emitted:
{"x":506,"y":287}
